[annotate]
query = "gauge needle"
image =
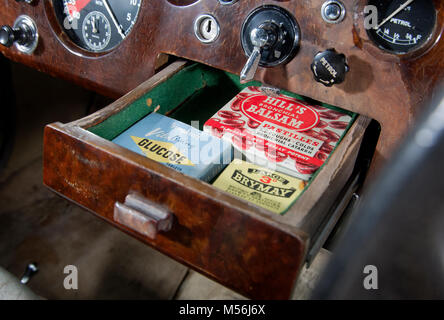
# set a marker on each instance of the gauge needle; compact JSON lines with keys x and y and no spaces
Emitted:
{"x":113,"y":18}
{"x":402,"y":7}
{"x":94,"y":26}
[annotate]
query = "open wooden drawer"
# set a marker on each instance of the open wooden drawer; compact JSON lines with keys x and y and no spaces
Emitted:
{"x":249,"y":249}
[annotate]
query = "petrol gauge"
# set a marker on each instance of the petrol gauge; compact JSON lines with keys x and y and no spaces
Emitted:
{"x":403,"y":25}
{"x":97,"y":25}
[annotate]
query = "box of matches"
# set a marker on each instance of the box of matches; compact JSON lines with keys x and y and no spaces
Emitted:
{"x":266,"y":188}
{"x":177,"y":145}
{"x":280,"y":132}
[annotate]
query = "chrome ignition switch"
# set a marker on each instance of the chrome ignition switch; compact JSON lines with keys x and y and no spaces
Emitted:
{"x":270,"y":37}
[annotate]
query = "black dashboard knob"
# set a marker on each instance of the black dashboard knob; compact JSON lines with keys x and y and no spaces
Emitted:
{"x":23,"y":34}
{"x":7,"y":36}
{"x":329,"y":67}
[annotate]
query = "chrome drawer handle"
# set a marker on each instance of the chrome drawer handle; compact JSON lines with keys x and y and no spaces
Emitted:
{"x":142,"y":215}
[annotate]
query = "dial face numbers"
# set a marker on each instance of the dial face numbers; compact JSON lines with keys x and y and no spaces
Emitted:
{"x":407,"y":30}
{"x":97,"y":25}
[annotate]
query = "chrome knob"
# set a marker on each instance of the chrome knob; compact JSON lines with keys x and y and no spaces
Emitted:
{"x":23,"y":34}
{"x":260,"y":38}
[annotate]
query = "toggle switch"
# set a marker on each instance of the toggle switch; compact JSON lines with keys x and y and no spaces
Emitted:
{"x":30,"y":271}
{"x":260,"y":37}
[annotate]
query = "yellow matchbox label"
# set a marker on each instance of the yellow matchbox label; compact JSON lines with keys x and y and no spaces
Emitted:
{"x":266,"y":188}
{"x":161,"y":151}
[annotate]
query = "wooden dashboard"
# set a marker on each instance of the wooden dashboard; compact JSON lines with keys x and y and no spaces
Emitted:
{"x":391,"y":89}
{"x":388,"y":88}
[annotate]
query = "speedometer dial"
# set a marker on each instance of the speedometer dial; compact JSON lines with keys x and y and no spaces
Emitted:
{"x":403,"y":25}
{"x":97,"y":25}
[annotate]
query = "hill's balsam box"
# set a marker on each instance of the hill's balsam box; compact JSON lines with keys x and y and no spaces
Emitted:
{"x":177,"y":145}
{"x":266,"y":188}
{"x":281,"y":132}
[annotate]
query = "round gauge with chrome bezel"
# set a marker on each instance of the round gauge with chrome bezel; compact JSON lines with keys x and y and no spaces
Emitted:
{"x":403,"y":26}
{"x":96,"y":31}
{"x":97,"y":25}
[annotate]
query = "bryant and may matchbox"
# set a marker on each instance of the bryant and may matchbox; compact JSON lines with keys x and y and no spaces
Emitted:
{"x":177,"y":145}
{"x":280,"y":132}
{"x":266,"y":188}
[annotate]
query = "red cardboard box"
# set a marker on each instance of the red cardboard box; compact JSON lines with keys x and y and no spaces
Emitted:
{"x":280,"y":132}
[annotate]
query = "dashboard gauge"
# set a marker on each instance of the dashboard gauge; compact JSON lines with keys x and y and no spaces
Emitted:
{"x":97,"y":25}
{"x":96,"y":31}
{"x":403,"y":25}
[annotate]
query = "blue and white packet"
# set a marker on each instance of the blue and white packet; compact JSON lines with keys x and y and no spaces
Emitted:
{"x":177,"y":145}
